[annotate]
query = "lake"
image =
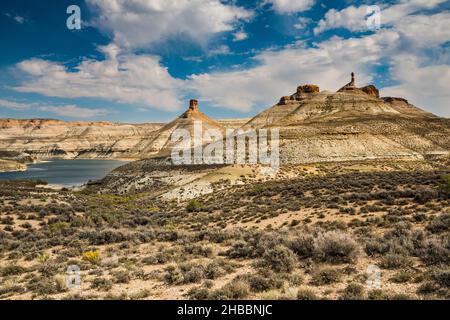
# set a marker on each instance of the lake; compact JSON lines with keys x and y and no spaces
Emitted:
{"x":66,"y":173}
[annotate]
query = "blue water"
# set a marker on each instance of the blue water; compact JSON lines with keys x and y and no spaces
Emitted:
{"x":65,"y":172}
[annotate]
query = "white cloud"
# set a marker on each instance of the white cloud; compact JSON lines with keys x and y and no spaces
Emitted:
{"x":278,"y":73}
{"x":140,"y":23}
{"x":291,"y":6}
{"x":71,"y":111}
{"x":14,"y":105}
{"x":134,"y":79}
{"x":423,"y":85}
{"x":240,"y":35}
{"x":354,"y":18}
{"x":425,"y":31}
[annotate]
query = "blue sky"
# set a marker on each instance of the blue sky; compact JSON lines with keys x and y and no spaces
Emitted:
{"x":142,"y":60}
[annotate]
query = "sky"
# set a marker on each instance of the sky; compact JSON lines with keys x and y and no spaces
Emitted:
{"x":141,"y":61}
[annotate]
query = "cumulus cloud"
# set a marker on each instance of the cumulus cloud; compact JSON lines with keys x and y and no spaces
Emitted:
{"x":126,"y":78}
{"x":141,"y":80}
{"x":14,"y":105}
{"x":291,"y":6}
{"x":423,"y":85}
{"x":279,"y":72}
{"x":71,"y":111}
{"x":140,"y":23}
{"x":355,"y":18}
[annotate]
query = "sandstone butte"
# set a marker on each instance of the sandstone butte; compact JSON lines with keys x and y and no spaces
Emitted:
{"x":353,"y":123}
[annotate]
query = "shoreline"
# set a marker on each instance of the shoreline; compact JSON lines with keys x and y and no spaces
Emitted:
{"x":24,"y":166}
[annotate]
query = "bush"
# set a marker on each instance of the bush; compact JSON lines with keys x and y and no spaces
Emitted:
{"x":11,"y":270}
{"x":306,"y":294}
{"x":264,"y":282}
{"x":353,"y":291}
{"x":101,"y":284}
{"x":394,"y":261}
{"x":122,"y":277}
{"x":173,"y":275}
{"x":441,"y":277}
{"x":198,"y":293}
{"x":194,"y":206}
{"x":444,"y":184}
{"x":335,"y":247}
{"x":325,"y":276}
{"x":303,"y":245}
{"x":185,"y":273}
{"x":439,"y":224}
{"x":91,"y":256}
{"x":240,"y":249}
{"x":194,"y":274}
{"x":435,"y":251}
{"x":45,"y":286}
{"x":280,"y":259}
{"x":233,"y":290}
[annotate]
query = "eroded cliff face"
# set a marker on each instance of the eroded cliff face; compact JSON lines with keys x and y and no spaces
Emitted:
{"x":353,"y":124}
{"x":42,"y":138}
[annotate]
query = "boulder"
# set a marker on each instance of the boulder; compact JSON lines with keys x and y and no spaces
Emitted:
{"x":284,"y":100}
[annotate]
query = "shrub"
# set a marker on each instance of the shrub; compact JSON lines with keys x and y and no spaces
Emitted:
{"x":102,"y":284}
{"x":58,"y":227}
{"x":375,"y":246}
{"x":264,"y":282}
{"x":335,"y":247}
{"x":306,"y":294}
{"x":444,"y":184}
{"x":213,"y":270}
{"x":325,"y":276}
{"x":45,"y":286}
{"x":173,"y":275}
{"x":353,"y":291}
{"x":280,"y":259}
{"x":198,"y":293}
{"x":435,"y":251}
{"x":377,"y":294}
{"x":122,"y":277}
{"x":11,"y":270}
{"x":236,"y":289}
{"x":394,"y":261}
{"x":303,"y":245}
{"x":194,"y":274}
{"x":194,"y":206}
{"x":91,"y":256}
{"x":240,"y":249}
{"x":441,"y":277}
{"x":440,"y":224}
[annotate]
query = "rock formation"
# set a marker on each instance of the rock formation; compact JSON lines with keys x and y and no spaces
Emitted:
{"x":353,"y":124}
{"x":160,"y":142}
{"x":46,"y":138}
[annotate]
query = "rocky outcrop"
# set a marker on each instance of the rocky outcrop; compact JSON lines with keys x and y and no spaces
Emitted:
{"x":308,"y":88}
{"x":160,"y":141}
{"x":371,"y":90}
{"x":353,"y":124}
{"x":46,"y":138}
